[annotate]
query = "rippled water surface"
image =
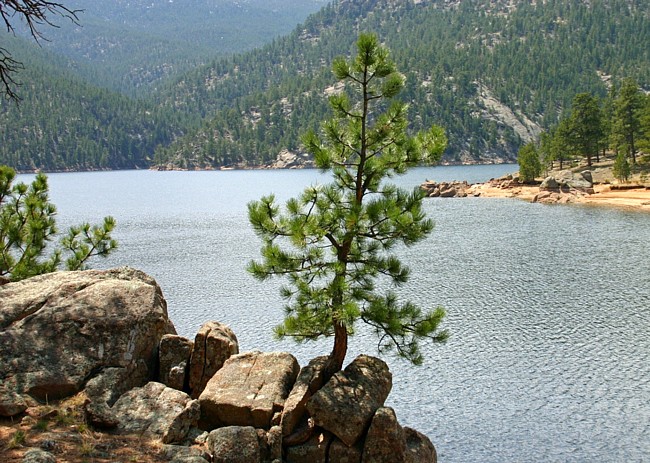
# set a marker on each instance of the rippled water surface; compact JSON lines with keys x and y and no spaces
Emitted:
{"x":548,"y":306}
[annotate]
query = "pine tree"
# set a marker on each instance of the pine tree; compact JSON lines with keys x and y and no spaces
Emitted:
{"x":627,"y":125}
{"x":334,"y":241}
{"x":585,"y":125}
{"x":644,"y":121}
{"x":28,"y":225}
{"x":530,"y":166}
{"x":621,"y":168}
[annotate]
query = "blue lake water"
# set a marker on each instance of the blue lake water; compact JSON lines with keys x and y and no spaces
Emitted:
{"x":548,"y":306}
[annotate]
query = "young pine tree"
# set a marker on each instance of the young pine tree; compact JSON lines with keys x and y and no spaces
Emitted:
{"x":529,"y":164}
{"x":621,"y":168}
{"x":28,"y":225}
{"x":334,"y":241}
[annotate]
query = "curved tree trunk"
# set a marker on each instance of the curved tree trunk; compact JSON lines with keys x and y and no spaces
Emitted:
{"x":340,"y":349}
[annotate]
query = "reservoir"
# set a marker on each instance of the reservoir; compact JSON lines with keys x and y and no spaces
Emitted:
{"x":548,"y":307}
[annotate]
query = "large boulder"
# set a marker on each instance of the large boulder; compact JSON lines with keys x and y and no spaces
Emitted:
{"x":385,"y":441}
{"x":346,"y":404}
{"x":315,"y":450}
{"x":341,"y":453}
{"x":420,"y":448}
{"x":61,"y":329}
{"x":174,"y":360}
{"x":549,"y":184}
{"x":309,"y":381}
{"x":573,"y":180}
{"x":234,"y":444}
{"x":213,"y":345}
{"x":249,"y":390}
{"x":158,"y":411}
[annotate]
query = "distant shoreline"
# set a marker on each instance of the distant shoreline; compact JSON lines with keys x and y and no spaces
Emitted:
{"x":604,"y":195}
{"x":169,"y":168}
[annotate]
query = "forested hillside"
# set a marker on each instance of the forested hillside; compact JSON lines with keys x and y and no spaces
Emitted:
{"x":64,"y":123}
{"x":132,"y":45}
{"x":493,"y":73}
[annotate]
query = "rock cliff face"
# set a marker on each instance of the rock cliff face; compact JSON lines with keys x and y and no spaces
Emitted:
{"x":107,"y":333}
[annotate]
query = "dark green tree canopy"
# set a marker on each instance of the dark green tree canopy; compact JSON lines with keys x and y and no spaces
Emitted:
{"x":530,"y":165}
{"x":585,"y":125}
{"x":626,"y":125}
{"x":333,"y":242}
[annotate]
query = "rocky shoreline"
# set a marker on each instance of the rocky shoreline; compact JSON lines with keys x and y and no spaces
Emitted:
{"x":561,"y":187}
{"x":103,"y":338}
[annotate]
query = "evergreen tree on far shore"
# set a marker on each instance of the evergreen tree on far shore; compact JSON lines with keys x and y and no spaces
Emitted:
{"x":530,"y":166}
{"x":626,"y":125}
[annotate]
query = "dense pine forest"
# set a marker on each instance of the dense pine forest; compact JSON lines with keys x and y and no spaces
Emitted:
{"x":495,"y":74}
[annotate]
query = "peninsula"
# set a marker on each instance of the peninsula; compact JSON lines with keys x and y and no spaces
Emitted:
{"x":579,"y":184}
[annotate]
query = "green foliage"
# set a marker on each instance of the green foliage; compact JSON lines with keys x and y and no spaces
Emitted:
{"x":244,"y":109}
{"x":621,"y":120}
{"x":333,"y":242}
{"x":153,"y":42}
{"x":28,"y":225}
{"x":585,"y":126}
{"x":530,"y":165}
{"x":532,"y":58}
{"x":644,"y":120}
{"x":621,"y":168}
{"x":626,"y":125}
{"x":63,"y":123}
{"x":17,"y":439}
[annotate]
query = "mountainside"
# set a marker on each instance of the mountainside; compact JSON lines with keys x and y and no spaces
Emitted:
{"x":132,"y":45}
{"x":494,"y":73}
{"x":64,"y":123}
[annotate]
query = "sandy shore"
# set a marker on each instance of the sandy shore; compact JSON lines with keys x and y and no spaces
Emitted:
{"x":604,"y":195}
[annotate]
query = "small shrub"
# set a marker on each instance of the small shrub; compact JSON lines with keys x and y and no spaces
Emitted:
{"x":41,"y":425}
{"x":17,"y":440}
{"x":87,"y":448}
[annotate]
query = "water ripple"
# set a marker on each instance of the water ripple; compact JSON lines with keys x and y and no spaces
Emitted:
{"x":548,"y":307}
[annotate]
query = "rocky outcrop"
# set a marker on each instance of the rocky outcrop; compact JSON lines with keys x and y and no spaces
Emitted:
{"x":446,"y":189}
{"x":341,"y":453}
{"x":249,"y":390}
{"x":579,"y":181}
{"x":346,"y":404}
{"x":156,"y":410}
{"x":312,"y":451}
{"x":60,"y":330}
{"x":419,"y":447}
{"x":385,"y":441}
{"x":235,"y":444}
{"x":107,"y":332}
{"x":309,"y":381}
{"x":174,"y":361}
{"x":38,"y":456}
{"x":564,"y":187}
{"x":213,"y":345}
